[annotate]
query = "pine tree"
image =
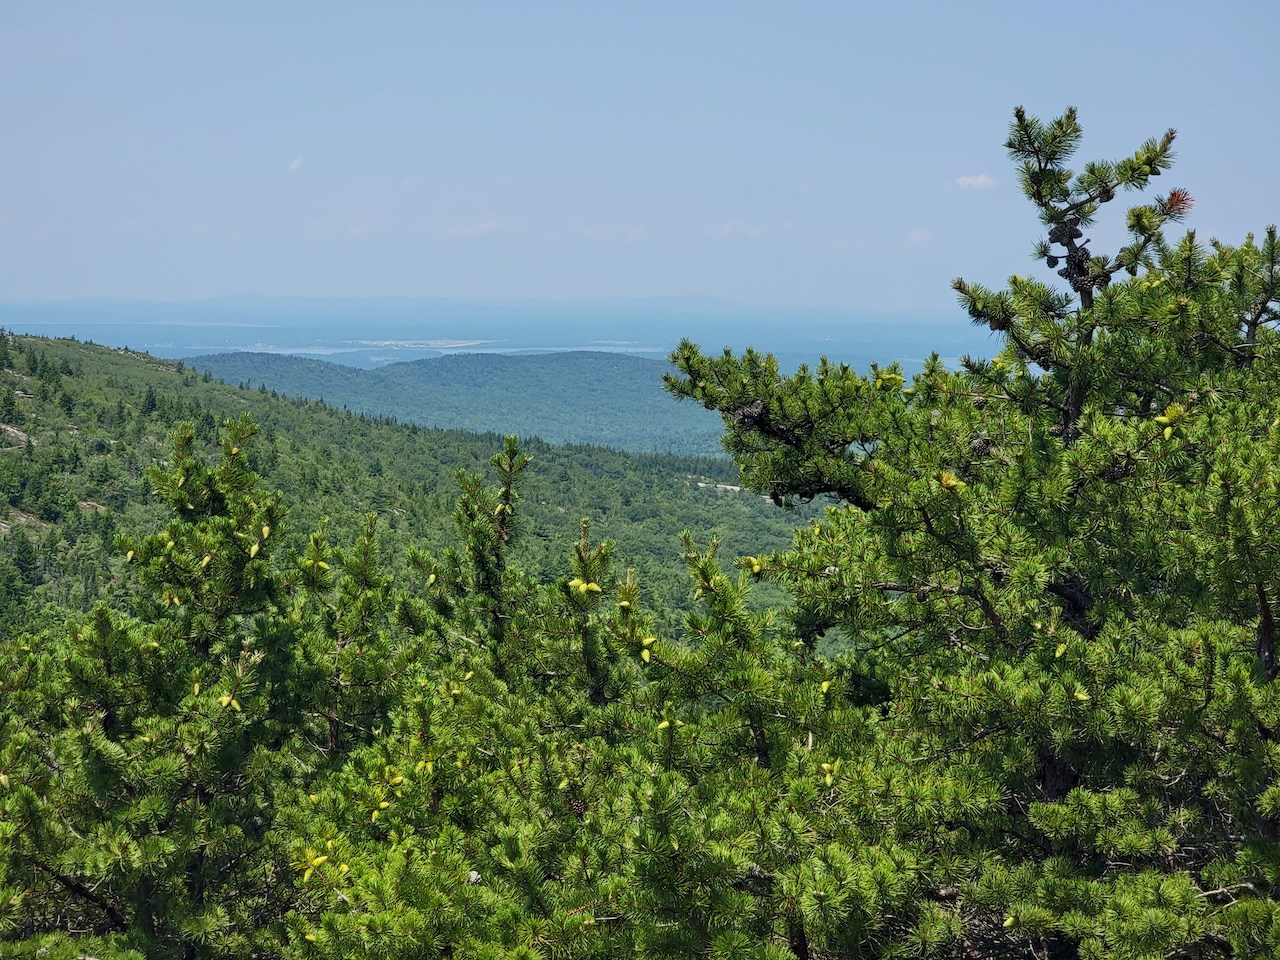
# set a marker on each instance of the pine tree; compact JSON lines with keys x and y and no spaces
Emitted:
{"x":9,"y":412}
{"x":356,"y":654}
{"x":480,"y":758}
{"x":142,"y":789}
{"x":1052,"y":567}
{"x":486,"y":520}
{"x":17,"y":546}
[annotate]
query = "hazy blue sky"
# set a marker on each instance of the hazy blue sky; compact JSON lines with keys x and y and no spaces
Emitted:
{"x":799,"y":153}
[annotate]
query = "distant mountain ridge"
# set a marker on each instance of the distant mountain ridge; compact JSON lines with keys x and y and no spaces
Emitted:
{"x":605,"y":399}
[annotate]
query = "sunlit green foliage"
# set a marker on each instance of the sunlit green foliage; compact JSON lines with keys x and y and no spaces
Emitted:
{"x":1019,"y":699}
{"x":1057,"y":566}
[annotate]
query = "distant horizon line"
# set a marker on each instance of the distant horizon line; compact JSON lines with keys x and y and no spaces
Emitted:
{"x":674,"y":300}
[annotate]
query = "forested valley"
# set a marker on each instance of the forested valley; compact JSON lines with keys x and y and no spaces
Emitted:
{"x":975,"y":664}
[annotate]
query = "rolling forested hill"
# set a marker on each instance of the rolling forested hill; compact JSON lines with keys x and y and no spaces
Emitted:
{"x":87,"y":422}
{"x":607,"y":399}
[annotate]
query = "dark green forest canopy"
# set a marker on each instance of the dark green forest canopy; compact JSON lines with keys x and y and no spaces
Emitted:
{"x":605,"y":399}
{"x":1011,"y":693}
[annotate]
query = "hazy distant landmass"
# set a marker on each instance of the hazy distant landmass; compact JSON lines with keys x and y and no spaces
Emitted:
{"x":373,"y":332}
{"x":573,"y":372}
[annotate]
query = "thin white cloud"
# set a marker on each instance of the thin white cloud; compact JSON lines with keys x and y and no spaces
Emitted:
{"x":976,"y":181}
{"x":359,"y":231}
{"x":484,"y":227}
{"x":742,"y":228}
{"x":293,"y":167}
{"x":918,"y":237}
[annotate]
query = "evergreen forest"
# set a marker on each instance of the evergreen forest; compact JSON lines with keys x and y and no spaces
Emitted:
{"x":603,"y":399}
{"x":978,"y":663}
